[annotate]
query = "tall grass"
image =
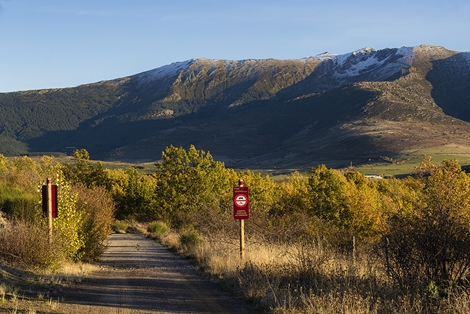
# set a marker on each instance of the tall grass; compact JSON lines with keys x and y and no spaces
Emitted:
{"x":316,"y":278}
{"x":157,"y":227}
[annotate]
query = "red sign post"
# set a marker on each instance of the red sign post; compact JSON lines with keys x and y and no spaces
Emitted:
{"x":241,"y":211}
{"x":49,"y":204}
{"x":241,"y":204}
{"x":45,"y":200}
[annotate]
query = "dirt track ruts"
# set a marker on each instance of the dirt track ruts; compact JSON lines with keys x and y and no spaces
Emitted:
{"x":138,"y":275}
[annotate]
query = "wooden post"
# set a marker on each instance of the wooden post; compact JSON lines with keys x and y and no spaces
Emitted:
{"x":49,"y":208}
{"x":242,"y":239}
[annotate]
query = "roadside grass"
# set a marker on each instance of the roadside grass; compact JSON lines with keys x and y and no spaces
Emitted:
{"x":68,"y":272}
{"x":30,"y":291}
{"x":311,"y":278}
{"x":157,"y":227}
{"x":119,"y":226}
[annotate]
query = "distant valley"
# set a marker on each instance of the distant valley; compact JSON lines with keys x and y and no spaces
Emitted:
{"x":261,"y":114}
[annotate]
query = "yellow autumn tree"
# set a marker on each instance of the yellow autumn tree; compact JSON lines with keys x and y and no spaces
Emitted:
{"x":365,"y":203}
{"x":430,"y":243}
{"x":349,"y":201}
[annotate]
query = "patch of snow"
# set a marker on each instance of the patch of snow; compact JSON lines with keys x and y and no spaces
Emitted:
{"x":323,"y":56}
{"x":366,"y":60}
{"x":364,"y":50}
{"x":164,"y":71}
{"x":407,"y":54}
{"x":366,"y":63}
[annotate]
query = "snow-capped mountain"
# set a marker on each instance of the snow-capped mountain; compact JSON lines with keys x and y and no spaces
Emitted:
{"x":309,"y":75}
{"x":262,"y":112}
{"x":378,"y":65}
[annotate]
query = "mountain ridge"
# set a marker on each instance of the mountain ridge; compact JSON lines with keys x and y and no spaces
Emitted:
{"x":256,"y":112}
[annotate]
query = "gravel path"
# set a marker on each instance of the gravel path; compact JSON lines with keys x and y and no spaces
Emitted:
{"x":138,"y":275}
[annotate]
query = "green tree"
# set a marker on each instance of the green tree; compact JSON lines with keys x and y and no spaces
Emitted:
{"x":400,"y":195}
{"x":70,"y":222}
{"x":190,"y":180}
{"x":289,"y":218}
{"x":328,"y":197}
{"x":137,"y":195}
{"x":87,"y":172}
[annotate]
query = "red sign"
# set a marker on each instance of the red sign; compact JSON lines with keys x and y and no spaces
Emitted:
{"x":241,"y":209}
{"x":54,"y":200}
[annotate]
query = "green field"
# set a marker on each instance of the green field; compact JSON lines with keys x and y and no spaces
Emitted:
{"x":407,"y":162}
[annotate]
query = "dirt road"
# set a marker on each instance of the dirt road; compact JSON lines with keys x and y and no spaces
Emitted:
{"x":138,"y":275}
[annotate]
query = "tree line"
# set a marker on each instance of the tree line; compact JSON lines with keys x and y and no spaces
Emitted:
{"x":418,"y":226}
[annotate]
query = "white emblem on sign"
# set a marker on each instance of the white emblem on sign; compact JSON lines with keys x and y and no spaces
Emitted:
{"x":241,"y":200}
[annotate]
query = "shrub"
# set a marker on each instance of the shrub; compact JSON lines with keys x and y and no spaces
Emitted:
{"x":70,"y":221}
{"x":158,"y":227}
{"x":99,"y":208}
{"x":430,"y":243}
{"x":27,"y":246}
{"x":189,"y":239}
{"x":119,"y":226}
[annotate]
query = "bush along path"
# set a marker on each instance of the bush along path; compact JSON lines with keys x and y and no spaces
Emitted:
{"x":138,"y":275}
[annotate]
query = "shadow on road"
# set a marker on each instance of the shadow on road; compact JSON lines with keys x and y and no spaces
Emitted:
{"x":142,"y":276}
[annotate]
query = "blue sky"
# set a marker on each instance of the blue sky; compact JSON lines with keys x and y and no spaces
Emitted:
{"x":65,"y":43}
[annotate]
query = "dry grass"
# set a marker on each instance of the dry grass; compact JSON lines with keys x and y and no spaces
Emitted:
{"x":3,"y":291}
{"x":26,"y":246}
{"x":31,"y":268}
{"x":68,"y":272}
{"x":171,"y":240}
{"x":31,"y":293}
{"x":314,"y":278}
